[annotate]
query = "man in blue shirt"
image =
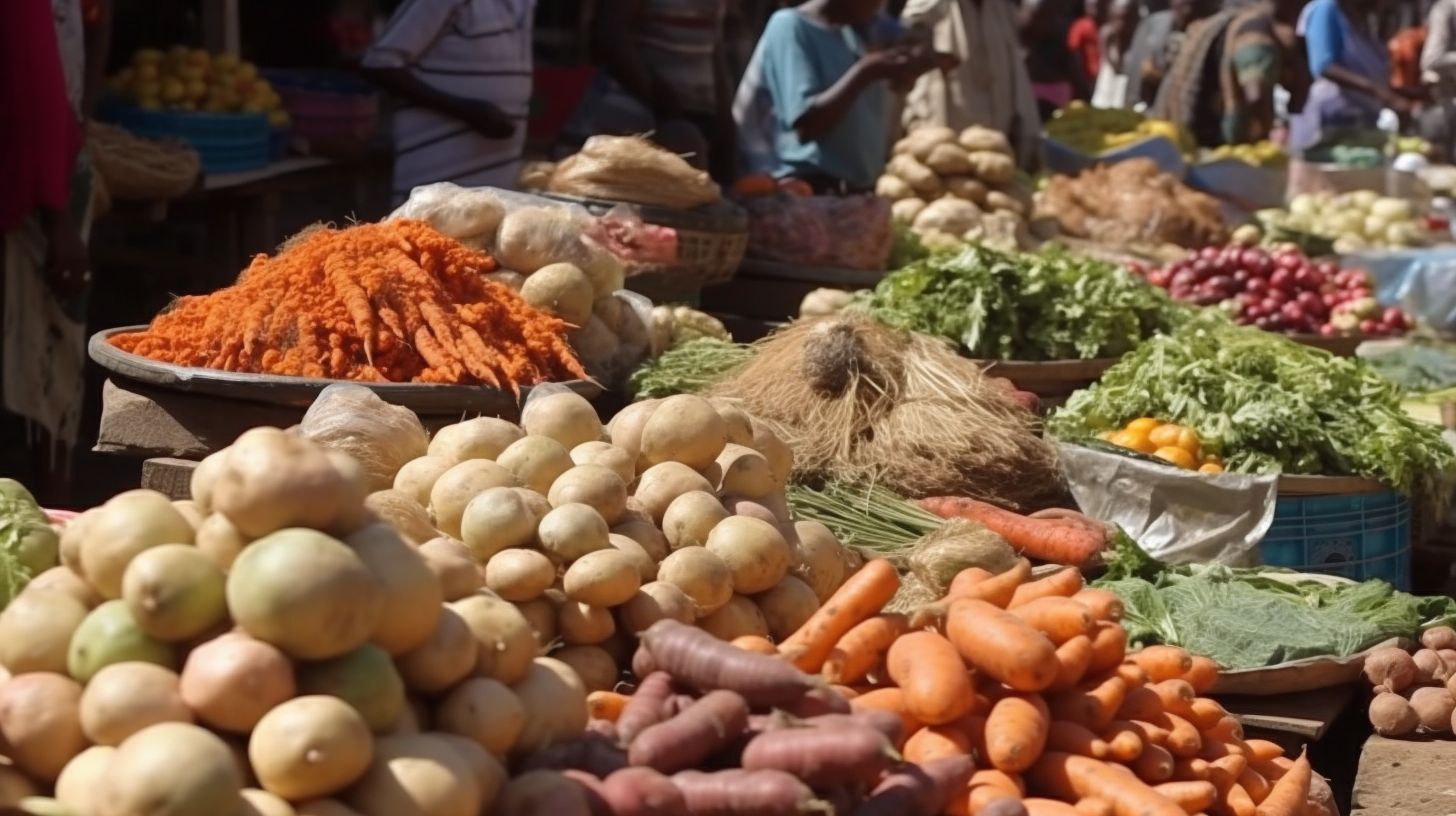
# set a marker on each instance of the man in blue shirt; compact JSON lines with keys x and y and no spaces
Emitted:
{"x":827,"y":89}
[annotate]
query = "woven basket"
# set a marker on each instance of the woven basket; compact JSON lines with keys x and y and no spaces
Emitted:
{"x":141,"y":169}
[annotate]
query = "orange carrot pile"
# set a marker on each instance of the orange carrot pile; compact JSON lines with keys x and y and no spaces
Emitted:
{"x":389,"y":302}
{"x":1032,"y":680}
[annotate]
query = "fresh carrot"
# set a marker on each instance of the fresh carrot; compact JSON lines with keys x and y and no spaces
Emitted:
{"x":1177,"y":696}
{"x":606,"y":705}
{"x":1016,"y":732}
{"x":1070,"y":738}
{"x":1183,"y":738}
{"x":1202,"y":675}
{"x":1257,"y":786}
{"x":1124,"y":743}
{"x":1237,"y":802}
{"x":934,"y":742}
{"x":1273,"y":769}
{"x":1153,"y":765}
{"x":1193,"y":797}
{"x":928,"y":669}
{"x":1063,"y":583}
{"x":1141,"y":703}
{"x":1090,"y":705}
{"x":1103,"y":604}
{"x":755,"y":643}
{"x":997,"y":590}
{"x":1224,"y":772}
{"x":1133,"y":674}
{"x":1060,"y":619}
{"x":1055,"y":540}
{"x":862,"y":648}
{"x":1152,"y":734}
{"x":1205,"y":713}
{"x":1289,"y":794}
{"x":863,"y":594}
{"x":1163,"y":662}
{"x":1109,"y":647}
{"x":1072,"y":659}
{"x":1263,"y":750}
{"x":1001,"y":645}
{"x":967,"y":578}
{"x":1048,"y":807}
{"x":989,"y":785}
{"x":1227,"y":730}
{"x":887,"y":699}
{"x":1190,"y":770}
{"x":974,"y":727}
{"x":1071,"y":777}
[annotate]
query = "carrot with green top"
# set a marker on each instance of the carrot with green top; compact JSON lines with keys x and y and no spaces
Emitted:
{"x":1059,"y":541}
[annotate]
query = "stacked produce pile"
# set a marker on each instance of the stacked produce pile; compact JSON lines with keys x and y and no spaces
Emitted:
{"x":1260,"y":154}
{"x":951,"y":187}
{"x":267,"y":646}
{"x":632,"y":169}
{"x":1022,"y":306}
{"x":1132,"y":202}
{"x":1413,"y":693}
{"x":1267,"y":405}
{"x":1281,"y":291}
{"x":1173,"y":443}
{"x":1097,"y":130}
{"x":1354,"y":221}
{"x":390,"y":302}
{"x":191,"y":79}
{"x":1007,"y":696}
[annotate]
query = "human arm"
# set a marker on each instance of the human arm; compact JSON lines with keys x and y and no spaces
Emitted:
{"x":614,"y":43}
{"x":1324,"y":42}
{"x":389,"y":63}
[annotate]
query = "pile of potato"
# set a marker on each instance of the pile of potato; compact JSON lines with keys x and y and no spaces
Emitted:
{"x":951,"y":187}
{"x":1414,"y":693}
{"x":267,"y":647}
{"x":675,"y":510}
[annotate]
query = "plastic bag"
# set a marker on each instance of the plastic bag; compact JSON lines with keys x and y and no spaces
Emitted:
{"x":1176,"y":516}
{"x":630,"y":168}
{"x":352,"y":419}
{"x":834,"y":232}
{"x":469,"y":215}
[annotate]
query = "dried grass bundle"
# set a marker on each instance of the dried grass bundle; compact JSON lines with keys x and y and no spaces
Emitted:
{"x":632,"y":169}
{"x":861,"y":402}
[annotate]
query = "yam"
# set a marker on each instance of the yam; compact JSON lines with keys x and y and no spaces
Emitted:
{"x":948,"y":159}
{"x":1433,"y":707}
{"x":894,"y":188}
{"x":906,"y":210}
{"x":978,"y":139}
{"x":1393,"y":716}
{"x":966,"y":187}
{"x":914,"y":173}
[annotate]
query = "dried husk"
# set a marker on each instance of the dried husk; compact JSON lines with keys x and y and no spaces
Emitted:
{"x":957,"y":545}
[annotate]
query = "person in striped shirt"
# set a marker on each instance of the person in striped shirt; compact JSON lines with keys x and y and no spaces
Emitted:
{"x":461,"y":70}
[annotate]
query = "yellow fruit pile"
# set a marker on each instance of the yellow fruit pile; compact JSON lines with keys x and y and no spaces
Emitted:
{"x":1259,"y":154}
{"x":1097,"y":130}
{"x":1172,"y":443}
{"x":190,"y":79}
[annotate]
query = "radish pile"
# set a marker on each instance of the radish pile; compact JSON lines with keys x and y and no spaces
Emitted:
{"x":1414,"y":693}
{"x":1281,"y":291}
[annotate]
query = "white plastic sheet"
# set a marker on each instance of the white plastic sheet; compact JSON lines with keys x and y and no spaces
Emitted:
{"x":1420,"y":281}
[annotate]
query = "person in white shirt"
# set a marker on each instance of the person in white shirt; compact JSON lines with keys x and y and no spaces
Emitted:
{"x":461,"y":70}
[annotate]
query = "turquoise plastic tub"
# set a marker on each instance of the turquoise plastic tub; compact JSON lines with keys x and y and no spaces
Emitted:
{"x":1358,"y":537}
{"x":227,"y":142}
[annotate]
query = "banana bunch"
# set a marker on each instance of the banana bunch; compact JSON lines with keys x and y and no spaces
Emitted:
{"x":1097,"y":130}
{"x":1259,"y":154}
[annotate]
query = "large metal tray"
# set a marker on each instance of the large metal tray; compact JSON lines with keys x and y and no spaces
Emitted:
{"x":301,"y":391}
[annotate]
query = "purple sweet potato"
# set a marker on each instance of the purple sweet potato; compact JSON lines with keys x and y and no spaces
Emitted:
{"x":822,"y":756}
{"x":676,"y":704}
{"x":591,"y":786}
{"x":643,"y":663}
{"x":692,"y":736}
{"x":606,"y":728}
{"x":594,"y":753}
{"x":816,"y":702}
{"x":918,"y":790}
{"x":747,"y":793}
{"x":886,"y":722}
{"x":644,"y":708}
{"x":699,"y":660}
{"x":642,"y":792}
{"x":544,"y":793}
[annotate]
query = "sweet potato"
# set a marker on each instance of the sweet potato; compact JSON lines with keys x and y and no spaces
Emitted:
{"x":918,"y":790}
{"x":592,"y":787}
{"x":822,"y":757}
{"x":642,"y":792}
{"x":593,"y":753}
{"x":699,"y":660}
{"x":746,"y":793}
{"x":886,"y":722}
{"x":817,"y":701}
{"x":645,"y":706}
{"x":692,"y":736}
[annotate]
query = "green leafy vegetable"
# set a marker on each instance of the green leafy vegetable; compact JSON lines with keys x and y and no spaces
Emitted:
{"x":1267,"y":405}
{"x":1418,"y":369}
{"x":907,"y":247}
{"x":687,"y":369}
{"x":1049,"y":306}
{"x":27,"y":541}
{"x":1250,"y":618}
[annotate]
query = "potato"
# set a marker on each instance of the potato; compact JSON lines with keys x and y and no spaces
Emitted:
{"x":740,"y":424}
{"x":654,"y":602}
{"x":690,"y":518}
{"x":686,"y":429}
{"x":564,"y":416}
{"x":571,"y":531}
{"x":541,"y":614}
{"x":485,"y":711}
{"x":997,"y":200}
{"x":921,"y":178}
{"x":740,"y":506}
{"x":604,"y":578}
{"x":754,"y":550}
{"x":645,"y":533}
{"x":458,"y":485}
{"x":922,"y":139}
{"x":397,"y":509}
{"x":906,"y":210}
{"x":1392,"y":715}
{"x":983,"y":139}
{"x":555,"y":702}
{"x":992,"y":168}
{"x":608,"y":456}
{"x":818,"y":557}
{"x":625,"y":429}
{"x":775,"y":450}
{"x":581,"y":625}
{"x":536,"y":461}
{"x":701,"y":575}
{"x":593,"y":664}
{"x":497,"y":519}
{"x":449,"y":656}
{"x":737,"y":618}
{"x":1433,"y":706}
{"x":450,"y":561}
{"x":646,"y":565}
{"x":948,"y":159}
{"x":519,"y":575}
{"x":966,"y":187}
{"x":786,"y":606}
{"x":560,"y":289}
{"x":662,"y":483}
{"x":596,"y":486}
{"x":608,"y":310}
{"x":479,"y":438}
{"x":418,"y":476}
{"x":746,"y":472}
{"x":506,"y":640}
{"x":894,"y":188}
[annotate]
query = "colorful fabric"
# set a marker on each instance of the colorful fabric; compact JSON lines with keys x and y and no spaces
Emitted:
{"x":1204,"y":89}
{"x":1331,"y":38}
{"x":1086,"y":42}
{"x":41,"y":139}
{"x":1405,"y":57}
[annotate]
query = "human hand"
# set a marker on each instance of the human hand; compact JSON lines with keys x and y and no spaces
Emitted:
{"x":1394,"y":100}
{"x":67,"y":265}
{"x":486,"y":119}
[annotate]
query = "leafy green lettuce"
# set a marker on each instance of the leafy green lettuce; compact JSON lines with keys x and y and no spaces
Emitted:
{"x":1249,"y":618}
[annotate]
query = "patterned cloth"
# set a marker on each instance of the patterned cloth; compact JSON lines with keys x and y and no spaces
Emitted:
{"x":1203,"y":90}
{"x":472,"y":49}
